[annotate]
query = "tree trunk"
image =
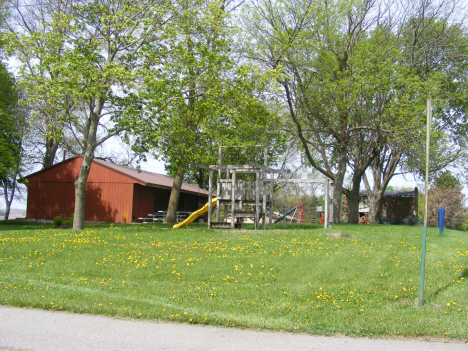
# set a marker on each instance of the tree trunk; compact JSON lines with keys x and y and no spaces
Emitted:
{"x":337,"y":195}
{"x":80,"y":182}
{"x":353,"y":200}
{"x":7,"y":204}
{"x":353,"y":205}
{"x":7,"y":211}
{"x":374,"y":197}
{"x":51,"y":145}
{"x":338,"y":185}
{"x":201,"y":179}
{"x":375,"y":207}
{"x":174,"y":198}
{"x":8,"y":201}
{"x":80,"y":191}
{"x":383,"y":169}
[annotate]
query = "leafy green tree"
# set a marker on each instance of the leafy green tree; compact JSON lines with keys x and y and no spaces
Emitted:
{"x":13,"y":126}
{"x":434,"y":47}
{"x":57,"y":122}
{"x":30,"y":26}
{"x":339,"y":72}
{"x":446,"y":181}
{"x":450,"y":198}
{"x":89,"y":51}
{"x":8,"y":101}
{"x":197,"y":97}
{"x":445,"y":192}
{"x":11,"y":138}
{"x":355,"y":80}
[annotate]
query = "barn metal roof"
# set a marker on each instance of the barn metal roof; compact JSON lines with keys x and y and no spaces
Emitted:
{"x":151,"y":179}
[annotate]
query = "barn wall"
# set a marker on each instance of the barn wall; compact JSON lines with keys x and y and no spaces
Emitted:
{"x":65,"y":173}
{"x":109,"y":202}
{"x":69,"y":171}
{"x":104,"y":202}
{"x":48,"y":200}
{"x":181,"y":203}
{"x":202,"y":200}
{"x":143,"y":201}
{"x":109,"y":195}
{"x":101,"y":174}
{"x":52,"y":192}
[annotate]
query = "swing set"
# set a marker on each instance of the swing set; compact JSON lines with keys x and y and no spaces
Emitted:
{"x":242,"y":199}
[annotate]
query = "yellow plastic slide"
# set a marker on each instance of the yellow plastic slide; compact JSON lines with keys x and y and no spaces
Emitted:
{"x":193,"y":216}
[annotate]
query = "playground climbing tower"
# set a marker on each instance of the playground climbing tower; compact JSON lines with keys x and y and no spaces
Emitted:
{"x":238,"y":199}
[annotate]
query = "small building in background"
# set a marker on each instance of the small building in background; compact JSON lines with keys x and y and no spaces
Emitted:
{"x":399,"y":207}
{"x":114,"y":193}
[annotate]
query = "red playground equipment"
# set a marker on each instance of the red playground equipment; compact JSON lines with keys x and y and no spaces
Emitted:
{"x":297,"y":207}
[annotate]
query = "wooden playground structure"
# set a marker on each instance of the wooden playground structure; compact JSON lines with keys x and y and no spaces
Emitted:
{"x":238,"y":199}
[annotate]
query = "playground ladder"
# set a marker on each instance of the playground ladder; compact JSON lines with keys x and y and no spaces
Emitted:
{"x":300,"y":210}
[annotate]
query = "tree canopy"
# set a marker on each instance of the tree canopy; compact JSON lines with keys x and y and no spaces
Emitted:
{"x":355,"y":77}
{"x":12,"y":134}
{"x":197,"y":97}
{"x":347,"y":79}
{"x":83,"y":57}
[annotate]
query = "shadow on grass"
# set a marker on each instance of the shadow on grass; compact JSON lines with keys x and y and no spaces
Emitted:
{"x":464,"y":274}
{"x":18,"y":225}
{"x":30,"y":225}
{"x":289,"y":226}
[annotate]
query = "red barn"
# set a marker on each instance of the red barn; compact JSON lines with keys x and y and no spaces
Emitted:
{"x":113,"y":193}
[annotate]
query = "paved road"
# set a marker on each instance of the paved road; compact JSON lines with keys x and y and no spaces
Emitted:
{"x":24,"y":329}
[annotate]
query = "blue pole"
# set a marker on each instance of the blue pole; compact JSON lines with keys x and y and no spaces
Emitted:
{"x":441,"y":220}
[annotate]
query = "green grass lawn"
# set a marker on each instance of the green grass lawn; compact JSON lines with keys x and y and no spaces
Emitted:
{"x":360,"y":280}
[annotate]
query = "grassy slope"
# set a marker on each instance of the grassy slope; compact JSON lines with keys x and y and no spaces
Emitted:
{"x":365,"y":282}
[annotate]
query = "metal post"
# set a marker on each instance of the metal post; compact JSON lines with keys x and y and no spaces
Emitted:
{"x":257,"y":199}
{"x":218,"y":190}
{"x":327,"y":184}
{"x":264,"y":205}
{"x":210,"y":197}
{"x":292,"y":217}
{"x":423,"y":246}
{"x":228,"y":176}
{"x":264,"y":187}
{"x":270,"y":195}
{"x":332,"y":203}
{"x":233,"y":200}
{"x":285,"y":191}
